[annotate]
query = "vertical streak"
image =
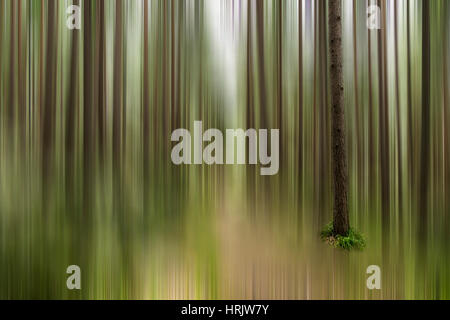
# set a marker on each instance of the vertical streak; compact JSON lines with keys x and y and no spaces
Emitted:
{"x":300,"y":101}
{"x":399,"y":131}
{"x":261,"y":69}
{"x":280,"y":80}
{"x":70,"y":117}
{"x":425,"y":137}
{"x":371,"y":163}
{"x":87,"y":106}
{"x":356,"y":97}
{"x":383,"y":130}
{"x":21,"y":80}
{"x":146,"y":102}
{"x":48,"y":124}
{"x":409,"y":95}
{"x":101,"y":83}
{"x":12,"y":65}
{"x":117,"y":106}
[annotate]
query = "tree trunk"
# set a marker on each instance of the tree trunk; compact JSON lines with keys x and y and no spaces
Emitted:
{"x":21,"y":65}
{"x":101,"y":85}
{"x":370,"y":163}
{"x":87,"y":107}
{"x":359,"y":147}
{"x":49,"y":105}
{"x":280,"y":80}
{"x":117,"y":107}
{"x":323,"y":113}
{"x":445,"y":121}
{"x":70,"y":118}
{"x":250,"y":117}
{"x":261,"y":59}
{"x":384,"y":128}
{"x":12,"y":82}
{"x":399,"y":131}
{"x":300,"y":103}
{"x":146,"y":112}
{"x":340,"y":213}
{"x":249,"y":113}
{"x":425,"y":140}
{"x":409,"y":94}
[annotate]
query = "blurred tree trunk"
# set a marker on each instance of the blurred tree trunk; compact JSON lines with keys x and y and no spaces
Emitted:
{"x":70,"y":118}
{"x":425,"y":136}
{"x":300,"y":102}
{"x":41,"y":66}
{"x":165,"y":104}
{"x":384,"y":128}
{"x":180,"y":41}
{"x":101,"y":107}
{"x":261,"y":59}
{"x":359,"y":147}
{"x":399,"y":131}
{"x":445,"y":117}
{"x":156,"y":85}
{"x":250,"y":115}
{"x":340,"y":213}
{"x":409,"y":95}
{"x":173,"y":70}
{"x":280,"y":81}
{"x":323,"y":113}
{"x":117,"y":107}
{"x":22,"y":94}
{"x":124,"y":72}
{"x":400,"y":278}
{"x":48,"y":121}
{"x":87,"y":107}
{"x":371,"y":159}
{"x":146,"y":111}
{"x":2,"y":11}
{"x":314,"y":141}
{"x":12,"y":64}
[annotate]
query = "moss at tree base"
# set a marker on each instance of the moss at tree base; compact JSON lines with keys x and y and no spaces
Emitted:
{"x":353,"y":239}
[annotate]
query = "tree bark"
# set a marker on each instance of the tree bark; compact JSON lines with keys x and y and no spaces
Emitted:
{"x":340,"y":213}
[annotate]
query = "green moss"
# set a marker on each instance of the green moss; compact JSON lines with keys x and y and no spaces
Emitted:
{"x":353,"y":239}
